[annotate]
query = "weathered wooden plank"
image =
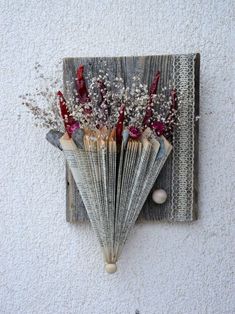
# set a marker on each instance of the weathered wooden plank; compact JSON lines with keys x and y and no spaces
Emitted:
{"x":75,"y":209}
{"x":127,"y":67}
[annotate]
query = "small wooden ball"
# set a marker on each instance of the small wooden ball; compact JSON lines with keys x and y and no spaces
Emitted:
{"x":111,"y":268}
{"x":159,"y":196}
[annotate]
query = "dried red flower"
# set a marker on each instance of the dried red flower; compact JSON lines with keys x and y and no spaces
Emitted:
{"x":149,"y":108}
{"x":134,"y":132}
{"x":73,"y":127}
{"x":154,"y":85}
{"x":158,"y":127}
{"x":119,"y":127}
{"x":83,"y":95}
{"x":81,"y":86}
{"x":69,"y":123}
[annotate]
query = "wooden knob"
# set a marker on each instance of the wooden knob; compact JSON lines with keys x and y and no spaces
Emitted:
{"x":111,"y":268}
{"x":159,"y":196}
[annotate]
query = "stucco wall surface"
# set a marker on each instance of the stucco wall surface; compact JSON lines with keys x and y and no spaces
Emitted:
{"x":50,"y":267}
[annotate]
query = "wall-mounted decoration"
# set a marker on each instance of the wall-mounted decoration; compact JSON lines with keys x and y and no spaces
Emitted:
{"x":128,"y":129}
{"x":178,"y":177}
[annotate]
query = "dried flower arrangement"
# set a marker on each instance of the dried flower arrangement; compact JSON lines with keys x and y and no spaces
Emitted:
{"x":115,"y":141}
{"x":103,"y":103}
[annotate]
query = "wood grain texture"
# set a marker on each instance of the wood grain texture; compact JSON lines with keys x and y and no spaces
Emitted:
{"x":127,"y":67}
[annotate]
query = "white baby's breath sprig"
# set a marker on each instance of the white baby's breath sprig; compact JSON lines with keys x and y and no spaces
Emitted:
{"x":105,"y":97}
{"x":42,"y":102}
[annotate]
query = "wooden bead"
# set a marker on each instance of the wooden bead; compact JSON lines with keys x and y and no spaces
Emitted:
{"x":159,"y":196}
{"x":111,"y":268}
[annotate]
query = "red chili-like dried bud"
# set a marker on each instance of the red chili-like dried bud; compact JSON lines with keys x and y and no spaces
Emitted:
{"x":119,"y":127}
{"x":149,"y":108}
{"x":158,"y":127}
{"x":148,"y":115}
{"x":154,"y":85}
{"x":81,"y":86}
{"x":69,"y":123}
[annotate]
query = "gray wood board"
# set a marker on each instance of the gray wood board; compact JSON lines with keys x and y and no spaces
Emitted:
{"x":127,"y":67}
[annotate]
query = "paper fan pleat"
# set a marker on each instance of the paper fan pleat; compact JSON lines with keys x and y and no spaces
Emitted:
{"x":114,"y":182}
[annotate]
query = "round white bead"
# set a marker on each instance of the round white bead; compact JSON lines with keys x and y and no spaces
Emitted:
{"x":159,"y":196}
{"x":111,"y":268}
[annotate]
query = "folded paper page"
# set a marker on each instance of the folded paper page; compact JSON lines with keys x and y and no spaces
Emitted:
{"x":114,"y":183}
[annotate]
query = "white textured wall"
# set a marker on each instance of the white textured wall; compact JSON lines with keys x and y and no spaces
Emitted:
{"x":48,"y":266}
